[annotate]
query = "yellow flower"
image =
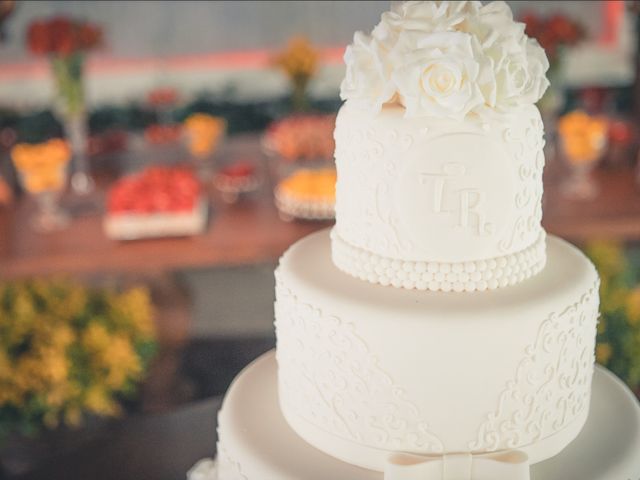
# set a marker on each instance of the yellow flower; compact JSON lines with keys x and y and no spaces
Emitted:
{"x":614,"y":299}
{"x":134,"y":308}
{"x":95,"y":338}
{"x":9,"y":395}
{"x":603,"y":352}
{"x":55,"y":367}
{"x":121,"y":361}
{"x":73,"y":417}
{"x":299,"y":59}
{"x":98,"y":401}
{"x":633,"y":306}
{"x":5,"y":366}
{"x":607,"y":256}
{"x":68,"y":349}
{"x":57,"y":395}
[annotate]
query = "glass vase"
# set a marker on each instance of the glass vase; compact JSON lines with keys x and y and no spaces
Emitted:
{"x":75,"y":128}
{"x":580,"y":184}
{"x":50,"y":217}
{"x":68,"y":73}
{"x":299,"y":99}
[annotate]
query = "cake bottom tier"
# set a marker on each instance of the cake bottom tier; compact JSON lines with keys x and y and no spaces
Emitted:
{"x":255,"y":442}
{"x":366,"y":370}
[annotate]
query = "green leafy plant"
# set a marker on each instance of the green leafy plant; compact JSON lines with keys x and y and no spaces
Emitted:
{"x":618,"y":339}
{"x":67,"y":350}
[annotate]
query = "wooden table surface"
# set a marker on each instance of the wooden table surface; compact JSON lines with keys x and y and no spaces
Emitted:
{"x":613,"y":214}
{"x":247,"y":232}
{"x":251,"y":231}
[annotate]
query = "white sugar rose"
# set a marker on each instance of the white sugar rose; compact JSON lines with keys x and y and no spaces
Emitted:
{"x":431,"y":16}
{"x":442,"y":74}
{"x":367,"y":82}
{"x":519,"y":63}
{"x":387,"y":31}
{"x":538,"y":67}
{"x":445,"y":59}
{"x":520,"y":74}
{"x":421,"y":16}
{"x":494,"y":26}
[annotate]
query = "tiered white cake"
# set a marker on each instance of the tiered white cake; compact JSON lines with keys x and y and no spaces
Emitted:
{"x":398,"y":346}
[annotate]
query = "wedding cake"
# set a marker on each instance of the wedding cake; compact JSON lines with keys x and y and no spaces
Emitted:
{"x":435,"y":327}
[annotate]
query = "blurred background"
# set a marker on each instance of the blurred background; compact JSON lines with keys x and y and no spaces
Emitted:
{"x":156,"y":158}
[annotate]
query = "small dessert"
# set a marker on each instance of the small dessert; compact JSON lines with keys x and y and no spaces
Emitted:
{"x":583,"y":136}
{"x":157,"y":202}
{"x":204,"y":133}
{"x":42,"y":166}
{"x":302,"y":137}
{"x":160,"y":134}
{"x":235,"y":179}
{"x":307,"y":194}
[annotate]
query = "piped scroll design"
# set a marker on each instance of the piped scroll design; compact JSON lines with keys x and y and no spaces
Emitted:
{"x":552,"y":383}
{"x":362,"y":150}
{"x":528,"y":199}
{"x":228,"y":468}
{"x":329,"y":378}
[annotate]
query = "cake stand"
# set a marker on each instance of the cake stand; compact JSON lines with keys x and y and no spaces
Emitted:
{"x":608,"y":447}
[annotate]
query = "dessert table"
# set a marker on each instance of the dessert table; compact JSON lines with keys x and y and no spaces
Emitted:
{"x":252,"y":232}
{"x":247,"y":232}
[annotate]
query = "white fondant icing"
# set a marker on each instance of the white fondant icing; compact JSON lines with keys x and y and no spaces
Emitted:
{"x":227,"y":468}
{"x":556,"y":376}
{"x":329,"y":376}
{"x":425,"y":190}
{"x":383,"y":369}
{"x":254,"y":432}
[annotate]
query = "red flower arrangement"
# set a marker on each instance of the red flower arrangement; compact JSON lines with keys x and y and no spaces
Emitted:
{"x":6,"y":9}
{"x":62,"y":36}
{"x":553,"y":33}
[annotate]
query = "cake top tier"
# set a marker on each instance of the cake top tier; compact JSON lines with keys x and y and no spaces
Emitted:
{"x":445,"y":59}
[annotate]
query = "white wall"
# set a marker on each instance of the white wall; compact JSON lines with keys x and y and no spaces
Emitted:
{"x":158,"y":28}
{"x":165,"y":29}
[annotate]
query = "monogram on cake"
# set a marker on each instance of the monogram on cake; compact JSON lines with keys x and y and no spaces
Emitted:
{"x":436,"y":332}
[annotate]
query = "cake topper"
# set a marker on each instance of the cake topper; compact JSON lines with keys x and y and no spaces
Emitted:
{"x":445,"y":59}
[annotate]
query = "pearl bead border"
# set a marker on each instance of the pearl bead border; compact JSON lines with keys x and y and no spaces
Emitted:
{"x":478,"y":275}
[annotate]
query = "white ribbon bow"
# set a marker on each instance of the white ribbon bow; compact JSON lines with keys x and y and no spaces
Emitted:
{"x":507,"y":465}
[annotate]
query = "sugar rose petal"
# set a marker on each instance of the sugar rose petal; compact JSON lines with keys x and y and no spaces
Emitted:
{"x":440,"y":74}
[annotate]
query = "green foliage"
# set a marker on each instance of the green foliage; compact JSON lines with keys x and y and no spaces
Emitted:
{"x":66,"y":350}
{"x":618,"y":340}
